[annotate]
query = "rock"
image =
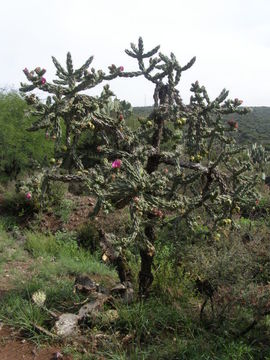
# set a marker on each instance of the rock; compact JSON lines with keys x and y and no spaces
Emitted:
{"x":57,"y":355}
{"x":127,"y":339}
{"x":118,"y":289}
{"x":67,"y":325}
{"x":125,"y":291}
{"x":93,"y":307}
{"x":85,"y":285}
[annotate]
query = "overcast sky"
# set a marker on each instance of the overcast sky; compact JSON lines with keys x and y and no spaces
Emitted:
{"x":230,"y":38}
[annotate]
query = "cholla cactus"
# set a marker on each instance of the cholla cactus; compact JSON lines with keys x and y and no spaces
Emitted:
{"x":181,"y":159}
{"x":258,"y":155}
{"x":78,"y":112}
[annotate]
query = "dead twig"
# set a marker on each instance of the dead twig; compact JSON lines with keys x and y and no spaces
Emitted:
{"x":44,"y":331}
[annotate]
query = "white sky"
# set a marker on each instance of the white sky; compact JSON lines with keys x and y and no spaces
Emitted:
{"x":230,"y":38}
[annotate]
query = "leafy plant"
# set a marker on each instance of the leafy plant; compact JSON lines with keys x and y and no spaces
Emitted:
{"x":19,"y":151}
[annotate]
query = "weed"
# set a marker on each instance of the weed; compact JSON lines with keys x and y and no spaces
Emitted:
{"x":21,"y":313}
{"x":64,"y":209}
{"x":88,"y":237}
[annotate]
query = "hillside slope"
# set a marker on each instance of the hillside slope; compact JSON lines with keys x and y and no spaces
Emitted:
{"x":253,"y":127}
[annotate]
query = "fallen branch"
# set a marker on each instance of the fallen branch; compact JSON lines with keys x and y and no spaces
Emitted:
{"x":44,"y":331}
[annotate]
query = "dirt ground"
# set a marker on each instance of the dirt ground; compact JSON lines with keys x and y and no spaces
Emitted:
{"x":14,"y":347}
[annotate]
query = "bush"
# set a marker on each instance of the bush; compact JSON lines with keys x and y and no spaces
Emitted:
{"x":20,"y":151}
{"x":18,"y":205}
{"x":88,"y":237}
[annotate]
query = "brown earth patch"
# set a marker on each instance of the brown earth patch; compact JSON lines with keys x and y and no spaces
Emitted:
{"x":9,"y":274}
{"x":14,"y":347}
{"x":83,"y":206}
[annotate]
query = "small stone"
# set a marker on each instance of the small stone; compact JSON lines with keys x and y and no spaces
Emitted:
{"x":57,"y":355}
{"x":67,"y":325}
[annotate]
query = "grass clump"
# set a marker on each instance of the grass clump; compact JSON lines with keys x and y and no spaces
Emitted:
{"x":57,"y":260}
{"x":39,"y":244}
{"x":61,"y":255}
{"x":88,"y":237}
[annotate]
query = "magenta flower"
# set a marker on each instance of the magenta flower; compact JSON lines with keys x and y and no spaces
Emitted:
{"x":43,"y":80}
{"x":116,"y":164}
{"x":28,"y":196}
{"x":121,"y":68}
{"x":26,"y":71}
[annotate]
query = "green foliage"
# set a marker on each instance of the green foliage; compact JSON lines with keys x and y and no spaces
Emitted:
{"x":167,"y":325}
{"x":16,"y":204}
{"x":64,"y":210}
{"x":88,"y":237}
{"x":64,"y":250}
{"x":254,"y":126}
{"x":39,"y":245}
{"x":21,"y":313}
{"x":19,"y":150}
{"x":9,"y":248}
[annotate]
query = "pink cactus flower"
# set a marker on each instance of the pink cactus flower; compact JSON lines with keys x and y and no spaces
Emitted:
{"x":121,"y":68}
{"x":117,"y":164}
{"x":43,"y":80}
{"x":26,"y":71}
{"x":28,"y":196}
{"x":158,"y":213}
{"x":37,"y":69}
{"x":238,"y":101}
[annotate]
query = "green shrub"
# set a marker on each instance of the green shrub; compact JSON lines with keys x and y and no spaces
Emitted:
{"x":39,"y":244}
{"x":20,"y":151}
{"x":64,"y":209}
{"x":18,"y":205}
{"x":88,"y":236}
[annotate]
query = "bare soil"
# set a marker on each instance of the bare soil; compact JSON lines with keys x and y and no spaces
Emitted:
{"x":14,"y":347}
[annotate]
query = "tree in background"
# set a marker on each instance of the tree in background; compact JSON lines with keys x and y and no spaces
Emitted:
{"x":19,"y":151}
{"x":181,"y":161}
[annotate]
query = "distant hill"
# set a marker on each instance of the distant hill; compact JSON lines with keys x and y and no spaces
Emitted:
{"x":253,"y":127}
